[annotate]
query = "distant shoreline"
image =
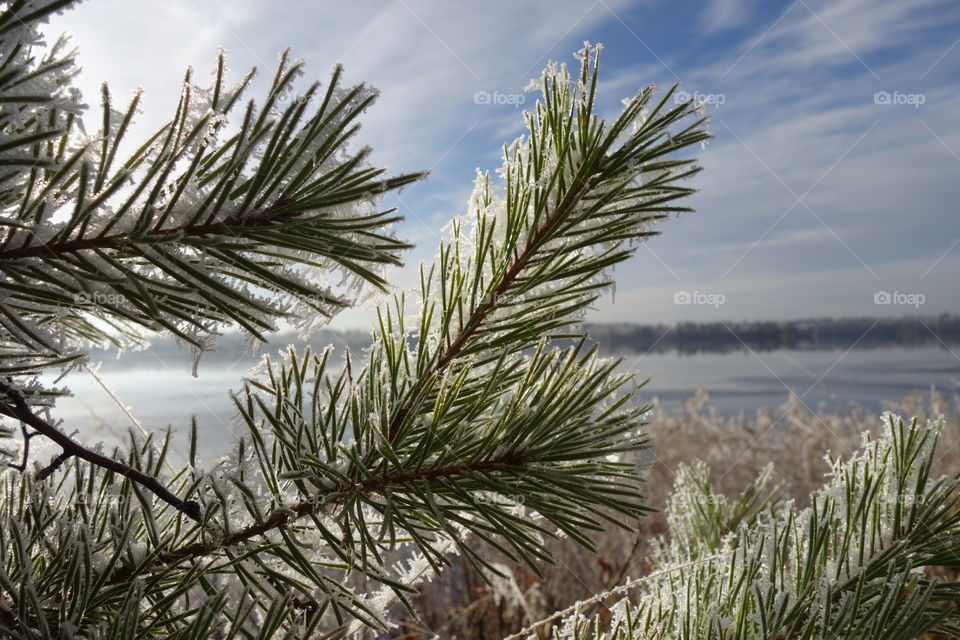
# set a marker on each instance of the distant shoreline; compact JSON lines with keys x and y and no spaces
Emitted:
{"x":817,"y":334}
{"x":685,"y":338}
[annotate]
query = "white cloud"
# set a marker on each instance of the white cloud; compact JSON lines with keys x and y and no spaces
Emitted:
{"x":720,"y":15}
{"x":812,"y":34}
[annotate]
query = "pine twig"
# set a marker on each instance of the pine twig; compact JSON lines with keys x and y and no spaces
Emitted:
{"x":282,"y":517}
{"x":57,"y":248}
{"x":481,"y":313}
{"x":626,"y":586}
{"x":27,"y":436}
{"x":21,"y":411}
{"x":55,"y":464}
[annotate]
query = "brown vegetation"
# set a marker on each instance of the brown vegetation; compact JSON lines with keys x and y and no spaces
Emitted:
{"x":792,"y":437}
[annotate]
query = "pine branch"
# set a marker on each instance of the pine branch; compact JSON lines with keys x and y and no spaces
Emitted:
{"x":575,"y":193}
{"x":190,"y":233}
{"x":55,"y":464}
{"x":853,"y":565}
{"x":480,"y":313}
{"x":511,"y":463}
{"x":21,"y":411}
{"x":58,"y":249}
{"x":27,"y":436}
{"x":476,"y":378}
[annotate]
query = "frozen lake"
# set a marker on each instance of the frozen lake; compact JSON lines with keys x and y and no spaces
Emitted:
{"x":164,"y":393}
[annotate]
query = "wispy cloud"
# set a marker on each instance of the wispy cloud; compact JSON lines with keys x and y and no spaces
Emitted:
{"x":720,"y":15}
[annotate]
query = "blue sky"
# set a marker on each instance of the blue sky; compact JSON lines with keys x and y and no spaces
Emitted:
{"x":818,"y":192}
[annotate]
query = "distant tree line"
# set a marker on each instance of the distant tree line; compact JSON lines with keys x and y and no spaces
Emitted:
{"x":684,"y":337}
{"x":821,"y":333}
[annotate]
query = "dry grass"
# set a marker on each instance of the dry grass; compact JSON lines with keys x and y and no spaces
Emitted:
{"x":460,"y":604}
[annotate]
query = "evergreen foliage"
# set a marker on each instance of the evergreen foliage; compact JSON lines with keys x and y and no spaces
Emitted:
{"x":477,"y":414}
{"x":862,"y":561}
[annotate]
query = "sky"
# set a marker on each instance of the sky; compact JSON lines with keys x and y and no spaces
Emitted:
{"x":830,"y":188}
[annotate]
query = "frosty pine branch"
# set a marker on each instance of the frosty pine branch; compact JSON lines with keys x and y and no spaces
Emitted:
{"x":477,"y":414}
{"x":190,"y":233}
{"x":852,"y":565}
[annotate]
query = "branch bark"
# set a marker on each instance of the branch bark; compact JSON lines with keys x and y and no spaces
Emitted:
{"x":27,"y":436}
{"x":280,"y":518}
{"x":21,"y":411}
{"x":229,"y":226}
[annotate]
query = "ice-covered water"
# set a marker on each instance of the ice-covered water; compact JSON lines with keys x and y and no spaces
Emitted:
{"x":164,"y":393}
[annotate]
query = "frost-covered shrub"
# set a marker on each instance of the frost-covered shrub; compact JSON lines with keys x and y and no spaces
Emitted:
{"x":855,"y":564}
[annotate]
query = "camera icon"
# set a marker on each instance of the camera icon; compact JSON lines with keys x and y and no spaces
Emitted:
{"x":882,"y":297}
{"x":481,"y":97}
{"x":682,"y":297}
{"x":82,"y":298}
{"x":681,"y":96}
{"x":882,"y":97}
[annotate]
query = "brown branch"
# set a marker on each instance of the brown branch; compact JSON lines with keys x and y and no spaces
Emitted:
{"x":27,"y":436}
{"x":280,"y":518}
{"x":55,"y":464}
{"x":120,"y":240}
{"x":21,"y":411}
{"x":11,"y":621}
